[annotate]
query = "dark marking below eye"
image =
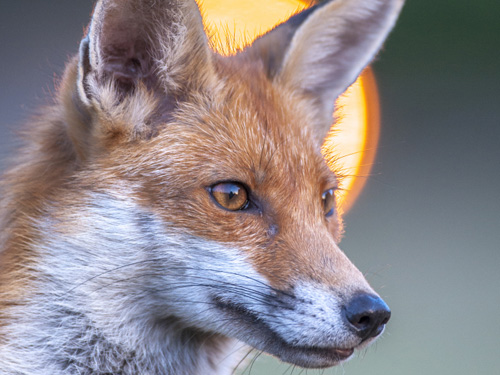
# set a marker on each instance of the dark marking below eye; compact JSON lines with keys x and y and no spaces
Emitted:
{"x":273,"y":230}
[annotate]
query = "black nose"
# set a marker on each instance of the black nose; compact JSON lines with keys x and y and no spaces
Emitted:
{"x":367,"y":314}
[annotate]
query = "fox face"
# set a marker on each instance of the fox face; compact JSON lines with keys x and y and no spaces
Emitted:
{"x":194,"y":206}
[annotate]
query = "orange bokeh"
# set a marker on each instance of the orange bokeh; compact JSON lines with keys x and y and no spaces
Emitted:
{"x":352,"y":143}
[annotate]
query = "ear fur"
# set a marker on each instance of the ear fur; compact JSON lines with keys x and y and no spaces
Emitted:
{"x":158,"y":44}
{"x":321,"y":51}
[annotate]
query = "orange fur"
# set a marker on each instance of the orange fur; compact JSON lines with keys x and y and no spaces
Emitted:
{"x":150,"y":118}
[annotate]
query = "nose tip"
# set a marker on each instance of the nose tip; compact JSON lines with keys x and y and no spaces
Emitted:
{"x":367,"y":314}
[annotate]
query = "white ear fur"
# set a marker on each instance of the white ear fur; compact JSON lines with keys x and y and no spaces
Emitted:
{"x":321,"y":51}
{"x":334,"y":45}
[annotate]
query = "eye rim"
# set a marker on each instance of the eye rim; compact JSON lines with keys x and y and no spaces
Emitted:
{"x":244,"y":206}
{"x":328,"y":199}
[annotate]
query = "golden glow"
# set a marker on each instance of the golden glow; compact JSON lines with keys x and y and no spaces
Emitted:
{"x":244,"y":20}
{"x":353,"y":141}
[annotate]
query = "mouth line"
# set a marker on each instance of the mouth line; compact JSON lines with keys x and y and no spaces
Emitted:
{"x":264,"y":338}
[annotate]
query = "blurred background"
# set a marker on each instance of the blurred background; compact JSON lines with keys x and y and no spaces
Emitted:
{"x":426,"y":229}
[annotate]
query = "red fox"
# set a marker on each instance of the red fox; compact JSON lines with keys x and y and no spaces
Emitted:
{"x":173,"y":206}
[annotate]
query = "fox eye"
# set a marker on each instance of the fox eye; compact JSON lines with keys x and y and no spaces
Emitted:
{"x":230,"y":195}
{"x":328,"y":198}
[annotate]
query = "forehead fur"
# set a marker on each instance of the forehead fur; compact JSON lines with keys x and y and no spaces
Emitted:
{"x":243,"y":129}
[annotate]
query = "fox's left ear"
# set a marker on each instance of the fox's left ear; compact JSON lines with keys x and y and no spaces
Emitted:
{"x":321,"y":51}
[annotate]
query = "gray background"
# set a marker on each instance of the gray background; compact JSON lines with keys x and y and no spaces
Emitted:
{"x":426,"y":229}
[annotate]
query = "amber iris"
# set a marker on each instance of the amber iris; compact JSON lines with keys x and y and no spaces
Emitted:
{"x":230,"y":195}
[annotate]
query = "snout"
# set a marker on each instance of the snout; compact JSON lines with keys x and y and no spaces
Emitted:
{"x":366,"y":315}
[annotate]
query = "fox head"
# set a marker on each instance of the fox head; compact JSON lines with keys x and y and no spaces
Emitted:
{"x":199,"y":199}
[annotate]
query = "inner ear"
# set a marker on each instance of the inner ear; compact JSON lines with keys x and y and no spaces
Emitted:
{"x":126,"y":63}
{"x":320,"y":52}
{"x":271,"y":47}
{"x":159,"y":44}
{"x":117,"y":49}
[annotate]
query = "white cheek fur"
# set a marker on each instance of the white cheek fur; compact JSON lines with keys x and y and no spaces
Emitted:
{"x":135,"y":284}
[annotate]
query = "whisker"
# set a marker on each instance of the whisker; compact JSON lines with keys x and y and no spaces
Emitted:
{"x":250,"y":367}
{"x":155,"y":260}
{"x":242,"y":360}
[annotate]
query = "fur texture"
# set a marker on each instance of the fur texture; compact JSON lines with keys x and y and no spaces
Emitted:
{"x":116,"y":259}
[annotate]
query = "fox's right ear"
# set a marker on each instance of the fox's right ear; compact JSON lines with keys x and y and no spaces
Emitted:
{"x":159,"y":44}
{"x":321,"y":51}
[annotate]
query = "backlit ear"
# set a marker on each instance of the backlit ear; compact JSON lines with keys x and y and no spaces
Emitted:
{"x":322,"y":50}
{"x":158,"y":44}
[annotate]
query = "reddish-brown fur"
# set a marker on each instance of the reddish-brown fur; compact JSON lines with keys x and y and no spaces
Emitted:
{"x":47,"y":160}
{"x":165,"y":137}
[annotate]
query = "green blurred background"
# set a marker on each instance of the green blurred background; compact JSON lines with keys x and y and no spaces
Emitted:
{"x":426,"y":229}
